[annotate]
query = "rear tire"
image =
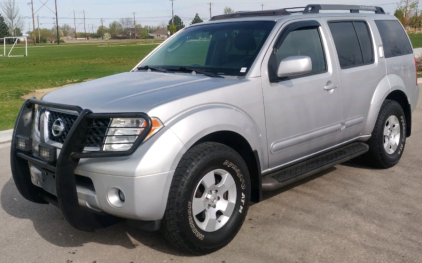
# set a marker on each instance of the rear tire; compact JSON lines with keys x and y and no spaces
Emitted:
{"x":388,"y":139}
{"x":208,"y":200}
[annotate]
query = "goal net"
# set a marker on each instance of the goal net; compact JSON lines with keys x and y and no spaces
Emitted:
{"x":14,"y":47}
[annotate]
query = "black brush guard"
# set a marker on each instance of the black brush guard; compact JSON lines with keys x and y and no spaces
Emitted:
{"x":67,"y":161}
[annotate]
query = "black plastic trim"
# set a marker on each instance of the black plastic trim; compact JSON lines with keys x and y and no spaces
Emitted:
{"x":37,"y":162}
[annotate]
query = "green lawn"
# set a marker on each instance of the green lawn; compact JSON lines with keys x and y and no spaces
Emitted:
{"x":416,"y":40}
{"x":49,"y":66}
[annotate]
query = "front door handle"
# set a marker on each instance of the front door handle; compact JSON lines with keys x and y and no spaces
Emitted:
{"x":330,"y":86}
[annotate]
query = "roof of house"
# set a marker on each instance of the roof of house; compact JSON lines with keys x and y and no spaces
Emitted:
{"x":161,"y":31}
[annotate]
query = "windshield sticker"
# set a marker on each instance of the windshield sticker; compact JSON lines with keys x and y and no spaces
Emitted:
{"x":243,"y":70}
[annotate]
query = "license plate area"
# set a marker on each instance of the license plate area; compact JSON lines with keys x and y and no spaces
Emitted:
{"x":48,"y":182}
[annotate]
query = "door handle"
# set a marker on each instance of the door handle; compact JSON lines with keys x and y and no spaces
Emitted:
{"x":330,"y":86}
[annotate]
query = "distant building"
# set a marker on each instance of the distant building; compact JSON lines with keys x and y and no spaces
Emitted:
{"x":161,"y":33}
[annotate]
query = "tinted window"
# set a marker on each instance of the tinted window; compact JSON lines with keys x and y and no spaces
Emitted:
{"x":347,"y":44}
{"x":303,"y":42}
{"x":365,"y":42}
{"x":394,"y":38}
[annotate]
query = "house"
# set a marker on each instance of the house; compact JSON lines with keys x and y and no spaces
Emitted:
{"x":161,"y":33}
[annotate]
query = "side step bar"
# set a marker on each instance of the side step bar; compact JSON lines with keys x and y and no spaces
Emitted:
{"x":312,"y":166}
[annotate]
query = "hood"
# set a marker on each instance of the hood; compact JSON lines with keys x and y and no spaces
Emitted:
{"x":135,"y":91}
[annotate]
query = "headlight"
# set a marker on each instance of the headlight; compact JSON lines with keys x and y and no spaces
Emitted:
{"x":123,"y":132}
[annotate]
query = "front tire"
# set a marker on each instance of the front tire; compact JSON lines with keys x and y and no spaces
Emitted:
{"x":388,"y":139}
{"x":208,"y":200}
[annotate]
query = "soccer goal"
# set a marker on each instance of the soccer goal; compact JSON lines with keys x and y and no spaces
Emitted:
{"x":14,"y":41}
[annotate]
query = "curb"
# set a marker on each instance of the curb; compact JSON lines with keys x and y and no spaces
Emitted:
{"x":6,"y":136}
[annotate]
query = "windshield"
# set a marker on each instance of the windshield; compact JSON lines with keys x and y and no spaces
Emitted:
{"x":223,"y":48}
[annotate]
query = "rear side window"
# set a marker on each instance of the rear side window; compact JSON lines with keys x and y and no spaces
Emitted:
{"x":394,"y":38}
{"x":353,"y":43}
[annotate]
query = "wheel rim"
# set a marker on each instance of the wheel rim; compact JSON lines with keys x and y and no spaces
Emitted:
{"x":214,"y":200}
{"x":391,"y":134}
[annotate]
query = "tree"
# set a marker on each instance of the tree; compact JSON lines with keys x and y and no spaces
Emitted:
{"x":4,"y":30}
{"x":228,"y":10}
{"x":127,"y":24}
{"x":115,"y":28}
{"x":405,"y":10}
{"x":144,"y":33}
{"x":102,"y":30}
{"x":178,"y":23}
{"x":12,"y":17}
{"x":196,"y":20}
{"x":67,"y":30}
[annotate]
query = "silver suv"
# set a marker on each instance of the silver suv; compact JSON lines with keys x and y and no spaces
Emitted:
{"x":219,"y":112}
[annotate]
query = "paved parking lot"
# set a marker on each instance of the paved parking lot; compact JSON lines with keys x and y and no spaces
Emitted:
{"x":350,"y":213}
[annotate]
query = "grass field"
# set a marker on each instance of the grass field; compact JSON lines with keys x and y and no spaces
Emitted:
{"x":50,"y":66}
{"x":416,"y":40}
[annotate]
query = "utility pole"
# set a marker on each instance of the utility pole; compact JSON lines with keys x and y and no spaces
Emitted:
{"x":74,"y":21}
{"x":85,"y":27}
{"x":39,"y":33}
{"x":210,"y":9}
{"x":102,"y":28}
{"x":262,"y":6}
{"x":172,"y":13}
{"x":134,"y":24}
{"x":57,"y":25}
{"x":33,"y":22}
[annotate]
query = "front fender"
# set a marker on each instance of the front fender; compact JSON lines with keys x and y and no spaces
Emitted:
{"x":194,"y":124}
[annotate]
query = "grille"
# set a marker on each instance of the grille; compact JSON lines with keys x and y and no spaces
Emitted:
{"x":96,"y":133}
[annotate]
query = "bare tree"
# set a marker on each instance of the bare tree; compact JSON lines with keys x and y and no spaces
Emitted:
{"x":12,"y":18}
{"x":127,"y":24}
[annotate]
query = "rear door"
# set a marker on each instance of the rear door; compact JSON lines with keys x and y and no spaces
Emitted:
{"x":361,"y":69}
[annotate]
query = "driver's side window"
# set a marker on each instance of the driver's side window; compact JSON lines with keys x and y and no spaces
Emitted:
{"x":302,"y":42}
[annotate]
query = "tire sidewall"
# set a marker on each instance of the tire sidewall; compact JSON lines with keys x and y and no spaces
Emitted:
{"x":239,"y":172}
{"x":393,"y":110}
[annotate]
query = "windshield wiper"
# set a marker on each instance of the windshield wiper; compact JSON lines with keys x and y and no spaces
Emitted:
{"x":203,"y":72}
{"x":155,"y":69}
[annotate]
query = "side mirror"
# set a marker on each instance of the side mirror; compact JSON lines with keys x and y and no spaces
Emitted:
{"x":293,"y":66}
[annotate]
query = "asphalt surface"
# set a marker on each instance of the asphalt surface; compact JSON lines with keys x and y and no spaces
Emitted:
{"x":349,"y":213}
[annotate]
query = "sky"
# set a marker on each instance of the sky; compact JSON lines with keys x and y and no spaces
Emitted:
{"x":155,"y":12}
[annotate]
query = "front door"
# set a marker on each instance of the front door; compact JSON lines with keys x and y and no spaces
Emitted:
{"x":303,"y":113}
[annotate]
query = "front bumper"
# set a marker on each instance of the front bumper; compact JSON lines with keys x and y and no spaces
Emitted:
{"x":67,"y":197}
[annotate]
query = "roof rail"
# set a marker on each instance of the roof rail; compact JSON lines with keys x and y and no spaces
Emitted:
{"x":352,"y":8}
{"x":277,"y":12}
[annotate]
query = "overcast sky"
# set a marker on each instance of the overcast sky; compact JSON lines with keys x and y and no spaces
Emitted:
{"x":154,"y":12}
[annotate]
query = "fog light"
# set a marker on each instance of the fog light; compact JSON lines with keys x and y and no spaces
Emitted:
{"x":23,"y":143}
{"x":116,"y":197}
{"x":47,"y":152}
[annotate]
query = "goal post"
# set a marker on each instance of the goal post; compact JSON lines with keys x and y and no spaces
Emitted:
{"x":15,"y":41}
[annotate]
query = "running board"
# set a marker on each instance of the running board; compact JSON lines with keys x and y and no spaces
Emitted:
{"x":312,"y":166}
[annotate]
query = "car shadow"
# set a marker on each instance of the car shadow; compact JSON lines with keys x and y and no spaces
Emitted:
{"x":358,"y":162}
{"x":50,"y":224}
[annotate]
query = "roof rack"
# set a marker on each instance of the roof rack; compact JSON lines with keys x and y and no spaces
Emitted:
{"x":351,"y":8}
{"x":277,"y":12}
{"x":309,"y":9}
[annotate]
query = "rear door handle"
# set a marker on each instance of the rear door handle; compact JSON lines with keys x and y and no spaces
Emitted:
{"x":330,"y":86}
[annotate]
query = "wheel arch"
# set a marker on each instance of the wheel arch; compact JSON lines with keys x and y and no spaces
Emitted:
{"x":401,"y":98}
{"x":390,"y":87}
{"x":238,"y":143}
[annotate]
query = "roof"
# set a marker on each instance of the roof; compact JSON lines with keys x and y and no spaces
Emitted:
{"x":161,"y":31}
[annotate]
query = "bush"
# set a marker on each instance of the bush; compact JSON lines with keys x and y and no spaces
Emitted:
{"x":419,"y":64}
